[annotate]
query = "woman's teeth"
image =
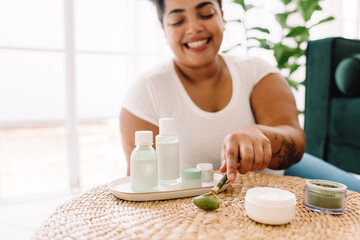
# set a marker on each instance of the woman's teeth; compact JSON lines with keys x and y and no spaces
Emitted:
{"x":197,"y":44}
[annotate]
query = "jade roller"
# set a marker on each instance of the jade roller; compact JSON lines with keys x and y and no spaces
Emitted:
{"x":215,"y":190}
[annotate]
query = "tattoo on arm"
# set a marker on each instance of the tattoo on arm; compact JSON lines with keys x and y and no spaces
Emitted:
{"x":287,"y":153}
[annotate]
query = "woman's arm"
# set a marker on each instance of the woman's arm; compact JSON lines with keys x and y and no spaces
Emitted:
{"x":274,"y":107}
{"x":129,"y":124}
{"x":276,"y":141}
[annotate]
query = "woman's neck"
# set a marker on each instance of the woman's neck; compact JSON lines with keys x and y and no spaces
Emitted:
{"x":207,"y":74}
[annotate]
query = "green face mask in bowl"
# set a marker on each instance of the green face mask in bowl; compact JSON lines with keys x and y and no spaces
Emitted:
{"x":325,"y":196}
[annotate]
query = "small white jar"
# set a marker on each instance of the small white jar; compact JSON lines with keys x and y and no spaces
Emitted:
{"x":270,"y":205}
{"x":207,"y":171}
{"x":191,"y":178}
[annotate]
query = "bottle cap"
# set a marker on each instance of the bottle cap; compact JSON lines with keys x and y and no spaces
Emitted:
{"x":167,"y":126}
{"x":142,"y":137}
{"x":191,"y":173}
{"x":205,"y":166}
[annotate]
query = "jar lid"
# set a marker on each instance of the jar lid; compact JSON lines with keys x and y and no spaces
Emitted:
{"x":191,"y":173}
{"x":205,"y":166}
{"x":325,"y":185}
{"x":270,"y":196}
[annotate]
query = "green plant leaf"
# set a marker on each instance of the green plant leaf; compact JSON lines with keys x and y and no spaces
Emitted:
{"x":293,"y":83}
{"x":282,"y":53}
{"x":300,"y":112}
{"x":318,"y":8}
{"x":244,"y":6}
{"x":264,"y":43}
{"x":248,"y":7}
{"x":281,"y":19}
{"x":323,"y":21}
{"x":299,"y":53}
{"x":300,"y":33}
{"x":240,"y":2}
{"x":327,"y":20}
{"x":234,"y":20}
{"x":307,"y":8}
{"x":286,"y":2}
{"x":293,"y":67}
{"x":227,"y":50}
{"x":296,"y":31}
{"x":264,"y":30}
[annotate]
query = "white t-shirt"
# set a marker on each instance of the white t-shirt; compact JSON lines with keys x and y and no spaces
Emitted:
{"x":160,"y":93}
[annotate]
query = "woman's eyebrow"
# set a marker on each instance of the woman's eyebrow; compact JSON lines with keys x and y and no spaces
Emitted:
{"x":203,"y":4}
{"x":200,"y":5}
{"x":176,"y":11}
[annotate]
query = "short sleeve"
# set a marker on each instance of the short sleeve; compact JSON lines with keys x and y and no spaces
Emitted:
{"x":141,"y":100}
{"x":261,"y":69}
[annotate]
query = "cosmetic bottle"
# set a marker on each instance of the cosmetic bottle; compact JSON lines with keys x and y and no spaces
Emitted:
{"x":167,"y":149}
{"x":144,"y":163}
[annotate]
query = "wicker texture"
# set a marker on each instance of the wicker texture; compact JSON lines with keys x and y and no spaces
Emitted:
{"x":97,"y":214}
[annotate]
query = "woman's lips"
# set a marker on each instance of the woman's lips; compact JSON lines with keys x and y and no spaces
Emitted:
{"x":197,"y":45}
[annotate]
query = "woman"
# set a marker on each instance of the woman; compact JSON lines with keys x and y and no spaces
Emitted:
{"x":224,"y":107}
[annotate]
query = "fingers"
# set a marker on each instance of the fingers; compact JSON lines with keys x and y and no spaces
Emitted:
{"x":258,"y":157}
{"x":255,"y":154}
{"x":247,"y":156}
{"x":223,"y":159}
{"x":267,"y":155}
{"x":253,"y":147}
{"x":231,"y":155}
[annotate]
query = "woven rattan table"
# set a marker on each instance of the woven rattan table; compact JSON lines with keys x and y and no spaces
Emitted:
{"x":97,"y":214}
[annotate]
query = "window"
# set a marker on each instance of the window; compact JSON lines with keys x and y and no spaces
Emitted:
{"x":110,"y":48}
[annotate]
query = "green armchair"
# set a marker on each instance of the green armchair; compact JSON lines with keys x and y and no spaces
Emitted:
{"x":332,"y":102}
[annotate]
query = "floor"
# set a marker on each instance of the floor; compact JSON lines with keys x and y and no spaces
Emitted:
{"x":34,"y":171}
{"x":19,"y":220}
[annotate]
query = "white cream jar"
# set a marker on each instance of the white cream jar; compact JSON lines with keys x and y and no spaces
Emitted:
{"x":270,"y":205}
{"x":207,"y":171}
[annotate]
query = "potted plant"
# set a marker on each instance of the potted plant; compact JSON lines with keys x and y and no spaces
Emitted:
{"x":290,"y":49}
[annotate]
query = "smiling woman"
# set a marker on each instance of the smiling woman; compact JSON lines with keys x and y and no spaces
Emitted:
{"x":224,"y":107}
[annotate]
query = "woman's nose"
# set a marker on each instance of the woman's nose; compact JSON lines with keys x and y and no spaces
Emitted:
{"x":194,"y":26}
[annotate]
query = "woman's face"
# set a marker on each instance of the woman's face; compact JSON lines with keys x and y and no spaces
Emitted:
{"x":194,"y":30}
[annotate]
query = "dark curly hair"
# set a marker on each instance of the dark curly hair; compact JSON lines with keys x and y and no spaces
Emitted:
{"x":160,"y":7}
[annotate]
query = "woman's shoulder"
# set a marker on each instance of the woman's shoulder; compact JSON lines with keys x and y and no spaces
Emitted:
{"x":153,"y":82}
{"x":250,"y":68}
{"x":244,"y":60}
{"x":157,"y":74}
{"x":145,"y":96}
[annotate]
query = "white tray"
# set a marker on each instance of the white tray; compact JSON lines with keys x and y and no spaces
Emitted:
{"x":121,"y":188}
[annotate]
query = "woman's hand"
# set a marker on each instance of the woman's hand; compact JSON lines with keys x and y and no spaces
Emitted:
{"x":251,"y":145}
